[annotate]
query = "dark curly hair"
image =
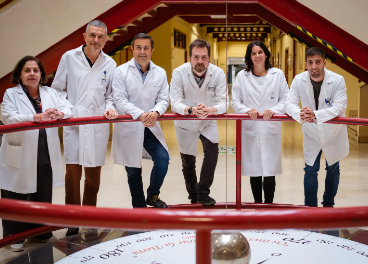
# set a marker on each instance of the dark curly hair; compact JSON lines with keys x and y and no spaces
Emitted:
{"x":18,"y":69}
{"x":248,"y":59}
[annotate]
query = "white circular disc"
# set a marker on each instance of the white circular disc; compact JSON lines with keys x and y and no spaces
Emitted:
{"x":267,"y":247}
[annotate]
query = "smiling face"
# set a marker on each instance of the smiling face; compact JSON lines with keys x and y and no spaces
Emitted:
{"x":30,"y":74}
{"x":199,"y":60}
{"x":258,"y":56}
{"x":142,"y":51}
{"x":315,"y":66}
{"x":96,"y":38}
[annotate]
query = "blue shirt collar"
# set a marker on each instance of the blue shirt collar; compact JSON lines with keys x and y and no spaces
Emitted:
{"x":140,"y":68}
{"x":143,"y":74}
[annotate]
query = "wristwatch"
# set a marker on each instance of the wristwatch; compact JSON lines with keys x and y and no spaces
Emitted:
{"x":190,"y":111}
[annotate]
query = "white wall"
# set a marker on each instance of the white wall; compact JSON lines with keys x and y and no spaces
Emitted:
{"x":31,"y":26}
{"x":350,"y":15}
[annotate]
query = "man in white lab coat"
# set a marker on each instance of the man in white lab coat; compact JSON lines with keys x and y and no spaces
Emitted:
{"x":83,"y":81}
{"x":198,"y":87}
{"x":323,"y":97}
{"x":140,"y":89}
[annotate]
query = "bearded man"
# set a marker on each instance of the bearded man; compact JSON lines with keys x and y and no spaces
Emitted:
{"x":198,"y":87}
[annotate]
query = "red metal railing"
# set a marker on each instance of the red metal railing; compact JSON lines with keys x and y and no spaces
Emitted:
{"x":202,"y":221}
{"x":297,"y":217}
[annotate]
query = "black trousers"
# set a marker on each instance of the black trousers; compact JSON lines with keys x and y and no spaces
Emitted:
{"x":202,"y":188}
{"x":269,"y":185}
{"x":43,"y":194}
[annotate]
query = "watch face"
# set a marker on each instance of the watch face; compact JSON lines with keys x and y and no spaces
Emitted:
{"x":190,"y":111}
{"x":266,"y":246}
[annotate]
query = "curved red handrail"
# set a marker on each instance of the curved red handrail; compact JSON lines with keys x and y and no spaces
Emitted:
{"x":203,"y":221}
{"x":145,"y":219}
{"x":127,"y":118}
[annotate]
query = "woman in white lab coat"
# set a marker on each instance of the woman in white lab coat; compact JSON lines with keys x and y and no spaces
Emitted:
{"x":260,"y":89}
{"x":30,"y":161}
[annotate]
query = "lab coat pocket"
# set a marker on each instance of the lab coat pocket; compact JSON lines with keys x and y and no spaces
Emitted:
{"x":249,"y":127}
{"x":274,"y":127}
{"x":14,"y":156}
{"x":334,"y":129}
{"x":154,"y":90}
{"x":273,"y":95}
{"x":122,"y":128}
{"x":101,"y":128}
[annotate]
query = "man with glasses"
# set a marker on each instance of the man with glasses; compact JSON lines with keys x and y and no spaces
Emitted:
{"x":83,"y":81}
{"x":323,"y":97}
{"x":198,"y":87}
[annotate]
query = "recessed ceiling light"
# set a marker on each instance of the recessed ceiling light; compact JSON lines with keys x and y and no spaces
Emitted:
{"x":218,"y":16}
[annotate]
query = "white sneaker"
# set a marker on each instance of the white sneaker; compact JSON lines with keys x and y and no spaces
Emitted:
{"x":17,"y":247}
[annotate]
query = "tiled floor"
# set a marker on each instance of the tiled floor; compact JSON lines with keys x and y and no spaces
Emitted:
{"x":114,"y":191}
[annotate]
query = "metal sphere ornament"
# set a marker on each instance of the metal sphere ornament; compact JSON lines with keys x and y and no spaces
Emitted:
{"x":230,"y":248}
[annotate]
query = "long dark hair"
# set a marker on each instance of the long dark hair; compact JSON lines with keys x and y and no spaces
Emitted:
{"x":18,"y":69}
{"x":248,"y":59}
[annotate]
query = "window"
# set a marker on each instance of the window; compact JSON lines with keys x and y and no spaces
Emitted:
{"x":180,"y":39}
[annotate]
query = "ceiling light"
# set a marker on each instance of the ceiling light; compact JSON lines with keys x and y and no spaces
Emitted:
{"x":218,"y":16}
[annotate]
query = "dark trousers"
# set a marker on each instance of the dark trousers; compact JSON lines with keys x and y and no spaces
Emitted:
{"x":73,"y":177}
{"x":269,"y":185}
{"x":311,"y":183}
{"x":43,"y":194}
{"x":202,"y":188}
{"x":160,"y":158}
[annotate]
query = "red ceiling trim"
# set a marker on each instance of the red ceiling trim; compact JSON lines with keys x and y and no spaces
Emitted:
{"x":285,"y":14}
{"x":5,"y":3}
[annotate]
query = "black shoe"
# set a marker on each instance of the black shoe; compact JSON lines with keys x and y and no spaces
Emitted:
{"x":72,"y":231}
{"x":194,"y":200}
{"x":156,"y":202}
{"x":206,"y":200}
{"x":44,"y":237}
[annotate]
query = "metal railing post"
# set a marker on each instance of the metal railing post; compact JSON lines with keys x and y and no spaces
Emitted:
{"x":238,"y":163}
{"x":203,"y":247}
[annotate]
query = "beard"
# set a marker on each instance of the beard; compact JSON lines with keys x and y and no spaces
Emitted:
{"x":199,"y":70}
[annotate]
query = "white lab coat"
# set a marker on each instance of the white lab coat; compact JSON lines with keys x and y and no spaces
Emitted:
{"x":133,"y":97}
{"x":331,"y":138}
{"x":184,"y":92}
{"x":18,"y":152}
{"x":87,"y":91}
{"x":261,"y":140}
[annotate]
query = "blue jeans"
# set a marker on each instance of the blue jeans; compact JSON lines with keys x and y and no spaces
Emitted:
{"x":311,"y":183}
{"x":160,"y":158}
